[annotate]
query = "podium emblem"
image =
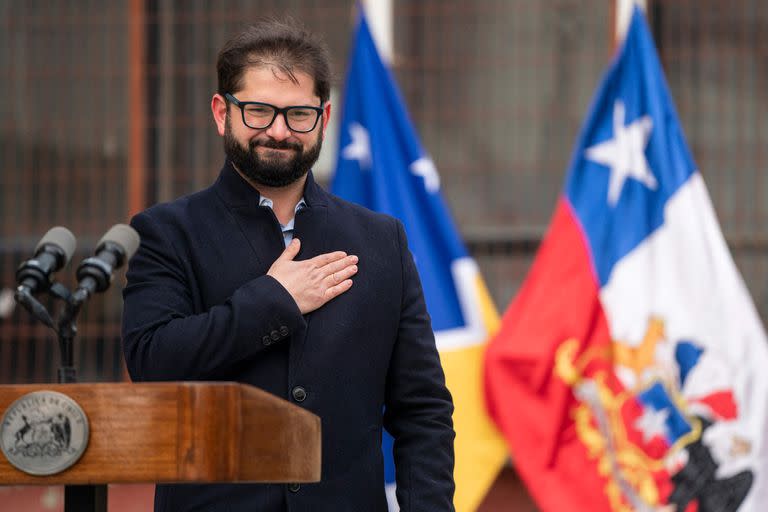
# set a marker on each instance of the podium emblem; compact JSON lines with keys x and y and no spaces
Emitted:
{"x":44,"y":433}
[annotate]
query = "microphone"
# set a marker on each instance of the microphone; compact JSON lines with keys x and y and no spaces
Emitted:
{"x":52,"y":253}
{"x":114,"y":249}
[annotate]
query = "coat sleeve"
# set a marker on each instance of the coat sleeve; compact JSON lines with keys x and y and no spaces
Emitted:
{"x":164,"y":338}
{"x":418,"y":404}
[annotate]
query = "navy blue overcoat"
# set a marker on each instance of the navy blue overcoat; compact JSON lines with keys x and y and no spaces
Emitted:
{"x":199,"y":306}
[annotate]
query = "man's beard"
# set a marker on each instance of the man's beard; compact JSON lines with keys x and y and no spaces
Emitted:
{"x":270,"y":172}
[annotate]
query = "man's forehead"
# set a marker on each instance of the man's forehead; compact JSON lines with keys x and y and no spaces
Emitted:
{"x":258,"y":78}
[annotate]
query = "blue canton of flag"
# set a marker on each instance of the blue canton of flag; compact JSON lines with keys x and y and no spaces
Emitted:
{"x":631,"y":157}
{"x":382,"y":166}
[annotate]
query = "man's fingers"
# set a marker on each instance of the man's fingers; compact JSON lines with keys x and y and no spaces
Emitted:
{"x":315,"y":281}
{"x":291,"y":251}
{"x":340,"y":275}
{"x":338,"y":265}
{"x":335,"y":291}
{"x":329,"y":257}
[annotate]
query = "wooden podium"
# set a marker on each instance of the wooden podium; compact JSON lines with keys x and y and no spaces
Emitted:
{"x":181,"y":432}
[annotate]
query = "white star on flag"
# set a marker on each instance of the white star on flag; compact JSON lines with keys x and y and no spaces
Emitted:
{"x":625,"y":153}
{"x":652,"y":423}
{"x":425,"y":168}
{"x":360,"y":147}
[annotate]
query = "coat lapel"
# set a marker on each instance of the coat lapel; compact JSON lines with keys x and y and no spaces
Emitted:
{"x":311,"y":221}
{"x":258,"y":224}
{"x":311,"y":228}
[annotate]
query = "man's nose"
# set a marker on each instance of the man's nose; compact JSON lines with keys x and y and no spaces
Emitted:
{"x":279,"y":130}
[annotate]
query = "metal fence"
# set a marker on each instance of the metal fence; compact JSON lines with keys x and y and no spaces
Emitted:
{"x":105,"y":110}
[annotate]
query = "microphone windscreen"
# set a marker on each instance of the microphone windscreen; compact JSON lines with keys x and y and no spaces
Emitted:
{"x":124,"y":236}
{"x":60,"y":237}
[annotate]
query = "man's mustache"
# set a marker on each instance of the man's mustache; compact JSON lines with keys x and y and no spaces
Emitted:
{"x":274,"y":144}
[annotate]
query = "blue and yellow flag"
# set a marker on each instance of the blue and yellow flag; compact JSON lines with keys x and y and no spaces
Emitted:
{"x":382,"y":166}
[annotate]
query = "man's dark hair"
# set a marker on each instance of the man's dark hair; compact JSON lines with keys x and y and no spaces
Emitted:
{"x":284,"y":45}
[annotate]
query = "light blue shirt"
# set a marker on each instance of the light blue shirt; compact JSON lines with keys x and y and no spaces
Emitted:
{"x":287,"y":229}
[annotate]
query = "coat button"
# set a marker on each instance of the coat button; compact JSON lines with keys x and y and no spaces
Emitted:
{"x":275,"y":335}
{"x":284,"y":331}
{"x":299,"y":393}
{"x":294,"y":487}
{"x":266,"y":340}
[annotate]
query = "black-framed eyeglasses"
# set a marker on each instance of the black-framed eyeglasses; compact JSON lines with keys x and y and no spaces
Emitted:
{"x":260,"y":116}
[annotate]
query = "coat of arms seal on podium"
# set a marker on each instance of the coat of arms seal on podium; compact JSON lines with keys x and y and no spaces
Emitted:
{"x":44,"y":433}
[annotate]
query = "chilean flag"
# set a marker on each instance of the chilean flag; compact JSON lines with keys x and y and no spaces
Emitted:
{"x":629,"y":372}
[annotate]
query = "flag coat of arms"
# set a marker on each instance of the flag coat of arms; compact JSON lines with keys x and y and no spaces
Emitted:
{"x":382,"y":166}
{"x":630,"y":372}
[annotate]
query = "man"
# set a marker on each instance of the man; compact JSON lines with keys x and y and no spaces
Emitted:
{"x":266,"y":279}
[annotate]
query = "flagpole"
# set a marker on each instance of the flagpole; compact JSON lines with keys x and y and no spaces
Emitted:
{"x":623,"y":15}
{"x":379,"y":16}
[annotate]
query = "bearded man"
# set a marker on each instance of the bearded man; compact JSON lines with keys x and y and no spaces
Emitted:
{"x":266,"y":279}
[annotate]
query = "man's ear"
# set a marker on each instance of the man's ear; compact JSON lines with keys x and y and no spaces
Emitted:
{"x":219,"y":111}
{"x":326,"y":115}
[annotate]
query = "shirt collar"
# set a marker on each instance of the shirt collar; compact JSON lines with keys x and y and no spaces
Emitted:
{"x":265,"y":201}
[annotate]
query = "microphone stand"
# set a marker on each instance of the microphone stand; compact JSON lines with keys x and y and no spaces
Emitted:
{"x":66,"y":331}
{"x":77,"y":498}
